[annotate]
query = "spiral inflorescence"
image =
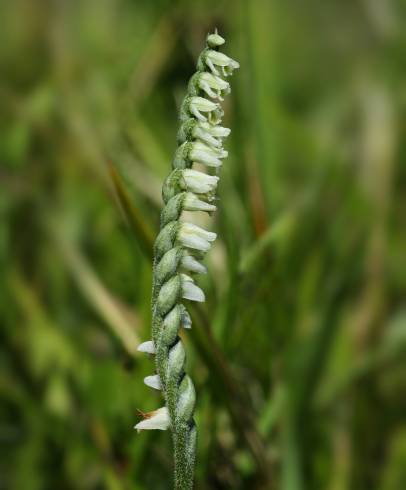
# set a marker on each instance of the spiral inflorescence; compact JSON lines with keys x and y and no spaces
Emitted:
{"x":179,"y":248}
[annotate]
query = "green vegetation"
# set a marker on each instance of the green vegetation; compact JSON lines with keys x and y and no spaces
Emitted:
{"x":298,"y":353}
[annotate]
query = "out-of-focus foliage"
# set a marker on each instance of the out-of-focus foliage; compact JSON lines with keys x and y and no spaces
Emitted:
{"x":298,"y":354}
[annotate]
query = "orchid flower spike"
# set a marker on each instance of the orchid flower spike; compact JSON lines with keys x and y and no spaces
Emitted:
{"x":179,"y":248}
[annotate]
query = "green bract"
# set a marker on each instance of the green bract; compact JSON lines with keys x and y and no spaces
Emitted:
{"x":179,"y":248}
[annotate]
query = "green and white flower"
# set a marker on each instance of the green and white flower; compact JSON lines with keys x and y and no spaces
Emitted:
{"x":217,"y":62}
{"x":214,"y":86}
{"x":202,"y":109}
{"x":192,"y":129}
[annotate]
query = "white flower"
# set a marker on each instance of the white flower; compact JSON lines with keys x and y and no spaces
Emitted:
{"x":202,"y":153}
{"x":147,"y":347}
{"x":214,"y":86}
{"x":198,"y":105}
{"x":190,"y":263}
{"x":190,"y":290}
{"x":193,"y":203}
{"x":215,"y":58}
{"x":158,"y":419}
{"x":217,"y":131}
{"x":153,"y":382}
{"x":193,"y":236}
{"x":199,"y":182}
{"x":209,"y":134}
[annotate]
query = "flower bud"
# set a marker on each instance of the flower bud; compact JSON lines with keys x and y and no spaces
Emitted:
{"x":214,"y":40}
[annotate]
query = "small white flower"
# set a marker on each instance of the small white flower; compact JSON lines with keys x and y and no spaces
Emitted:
{"x":158,"y":419}
{"x":153,"y":382}
{"x":190,"y":263}
{"x":209,"y":134}
{"x":199,"y":182}
{"x":190,"y":290}
{"x":193,"y":203}
{"x":193,"y":236}
{"x":147,"y":347}
{"x":200,"y":104}
{"x":215,"y":58}
{"x":217,"y":131}
{"x":206,"y":155}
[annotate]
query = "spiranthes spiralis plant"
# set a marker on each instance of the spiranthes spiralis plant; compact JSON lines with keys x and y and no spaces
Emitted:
{"x":179,"y":248}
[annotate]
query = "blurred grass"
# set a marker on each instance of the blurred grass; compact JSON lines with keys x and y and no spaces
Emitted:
{"x":298,"y":354}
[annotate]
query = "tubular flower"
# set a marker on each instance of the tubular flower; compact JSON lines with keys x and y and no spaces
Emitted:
{"x":179,"y":248}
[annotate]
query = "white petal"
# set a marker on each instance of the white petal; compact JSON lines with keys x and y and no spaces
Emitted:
{"x":158,"y":419}
{"x":153,"y":382}
{"x":147,"y":347}
{"x":193,"y":265}
{"x":192,"y":292}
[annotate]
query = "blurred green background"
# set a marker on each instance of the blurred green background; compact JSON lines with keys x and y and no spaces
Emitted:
{"x":298,"y":355}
